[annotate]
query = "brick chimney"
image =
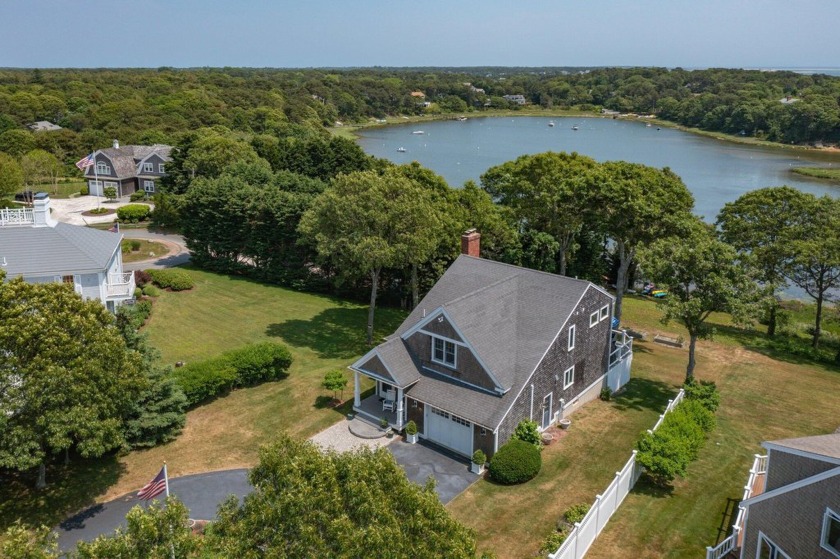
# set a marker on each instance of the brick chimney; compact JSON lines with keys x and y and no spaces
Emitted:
{"x":471,"y":243}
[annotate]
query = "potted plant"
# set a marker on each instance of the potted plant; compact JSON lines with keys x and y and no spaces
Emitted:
{"x":383,"y":424}
{"x":411,"y":432}
{"x":478,"y":461}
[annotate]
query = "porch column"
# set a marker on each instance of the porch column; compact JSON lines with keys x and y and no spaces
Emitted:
{"x":399,"y":409}
{"x":357,"y":391}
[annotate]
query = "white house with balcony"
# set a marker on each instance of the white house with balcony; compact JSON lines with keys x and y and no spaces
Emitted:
{"x":41,"y":250}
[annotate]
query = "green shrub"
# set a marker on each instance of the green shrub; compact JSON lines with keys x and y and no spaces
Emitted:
{"x":110,"y":192}
{"x":515,"y":462}
{"x":606,"y":394}
{"x":138,"y":292}
{"x":576,"y":513}
{"x":133,"y":213}
{"x":204,"y":380}
{"x":699,"y":414}
{"x":528,"y":431}
{"x":260,"y":362}
{"x":135,"y":314}
{"x":84,"y":191}
{"x":171,"y":278}
{"x":151,"y":291}
{"x":141,"y":278}
{"x":553,"y":542}
{"x":139,"y":195}
{"x":479,"y":457}
{"x":411,"y":428}
{"x":704,"y":392}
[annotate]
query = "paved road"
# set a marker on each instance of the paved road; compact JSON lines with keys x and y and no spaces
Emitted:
{"x":201,"y":493}
{"x":178,"y":253}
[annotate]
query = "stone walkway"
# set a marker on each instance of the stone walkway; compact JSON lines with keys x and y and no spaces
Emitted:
{"x":341,"y":439}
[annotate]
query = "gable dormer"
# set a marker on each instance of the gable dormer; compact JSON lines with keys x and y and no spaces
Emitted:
{"x":441,"y":348}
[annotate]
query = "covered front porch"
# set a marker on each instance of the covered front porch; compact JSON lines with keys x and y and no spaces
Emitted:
{"x":387,"y":401}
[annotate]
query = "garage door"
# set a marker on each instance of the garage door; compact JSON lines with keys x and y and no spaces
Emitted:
{"x":449,"y":430}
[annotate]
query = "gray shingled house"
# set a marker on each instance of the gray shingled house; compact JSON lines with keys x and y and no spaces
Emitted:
{"x":128,"y":169}
{"x":798,"y":512}
{"x":489,"y":345}
{"x":39,"y":249}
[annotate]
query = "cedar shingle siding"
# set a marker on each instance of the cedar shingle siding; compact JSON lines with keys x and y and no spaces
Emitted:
{"x":785,"y":468}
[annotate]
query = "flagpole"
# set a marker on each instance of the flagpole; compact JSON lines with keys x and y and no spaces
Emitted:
{"x":96,"y":181}
{"x":166,"y":478}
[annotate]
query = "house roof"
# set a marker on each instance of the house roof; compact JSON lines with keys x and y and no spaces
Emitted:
{"x":126,"y":158}
{"x":507,"y":314}
{"x":827,"y":446}
{"x":59,"y":250}
{"x":43,"y":125}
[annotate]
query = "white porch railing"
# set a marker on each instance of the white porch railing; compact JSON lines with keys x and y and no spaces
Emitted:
{"x":584,"y":533}
{"x":731,"y":543}
{"x":16,"y":216}
{"x":120,"y":285}
{"x":623,"y":344}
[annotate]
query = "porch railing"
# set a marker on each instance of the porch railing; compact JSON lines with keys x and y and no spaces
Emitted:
{"x":16,"y":216}
{"x":120,"y":285}
{"x":733,"y":542}
{"x":622,"y":344}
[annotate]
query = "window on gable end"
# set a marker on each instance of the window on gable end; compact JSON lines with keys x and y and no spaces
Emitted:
{"x":443,"y":352}
{"x":571,"y":345}
{"x":593,"y":319}
{"x":830,"y":539}
{"x":605,"y":312}
{"x":568,"y":377}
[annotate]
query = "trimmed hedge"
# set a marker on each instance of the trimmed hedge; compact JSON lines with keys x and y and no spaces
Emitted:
{"x":133,"y":213}
{"x":205,"y":380}
{"x":516,"y":462}
{"x":151,"y":291}
{"x":252,"y":364}
{"x":139,"y":195}
{"x":171,"y":278}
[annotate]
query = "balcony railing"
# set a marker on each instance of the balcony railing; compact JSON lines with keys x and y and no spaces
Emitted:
{"x":120,"y":286}
{"x":752,"y":488}
{"x":16,"y":216}
{"x":622,"y":344}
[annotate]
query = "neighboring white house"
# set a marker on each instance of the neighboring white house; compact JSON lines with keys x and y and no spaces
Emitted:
{"x":41,"y":250}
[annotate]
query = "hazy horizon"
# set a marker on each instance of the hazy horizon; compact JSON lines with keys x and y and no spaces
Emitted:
{"x":767,"y":34}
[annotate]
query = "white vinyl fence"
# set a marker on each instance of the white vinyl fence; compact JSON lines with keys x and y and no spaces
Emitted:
{"x":584,"y":533}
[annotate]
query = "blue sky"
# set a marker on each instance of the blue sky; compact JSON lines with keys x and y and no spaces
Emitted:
{"x":307,"y":33}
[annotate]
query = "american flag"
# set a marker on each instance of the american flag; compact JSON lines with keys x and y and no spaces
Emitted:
{"x":85,"y":162}
{"x":154,"y":487}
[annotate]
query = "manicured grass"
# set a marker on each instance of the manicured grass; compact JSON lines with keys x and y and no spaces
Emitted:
{"x":761,"y":399}
{"x":146,"y":250}
{"x":220,"y":313}
{"x":832,"y":174}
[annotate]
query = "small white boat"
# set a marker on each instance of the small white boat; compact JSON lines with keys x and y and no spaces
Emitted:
{"x":551,"y":123}
{"x":648,"y":125}
{"x":462,"y":119}
{"x":418,"y":132}
{"x":401,"y":149}
{"x":575,"y":127}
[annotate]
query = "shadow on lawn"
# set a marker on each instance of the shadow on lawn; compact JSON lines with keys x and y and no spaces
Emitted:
{"x":69,"y":489}
{"x":335,"y":333}
{"x":644,"y":394}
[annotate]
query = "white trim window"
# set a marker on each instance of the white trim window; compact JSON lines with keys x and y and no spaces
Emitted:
{"x":605,"y":312}
{"x":149,"y":186}
{"x":830,"y":540}
{"x":103,"y":168}
{"x":593,"y":319}
{"x":443,"y":352}
{"x":769,"y":550}
{"x":571,"y":345}
{"x":160,"y":168}
{"x":148,"y":167}
{"x":568,"y":377}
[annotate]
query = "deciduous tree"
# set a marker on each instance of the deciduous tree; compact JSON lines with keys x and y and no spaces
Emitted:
{"x":702,"y":275}
{"x":11,"y":175}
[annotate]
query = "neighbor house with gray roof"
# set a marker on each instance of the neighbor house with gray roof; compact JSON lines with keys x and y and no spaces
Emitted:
{"x":41,"y":250}
{"x":127,"y":169}
{"x":798,"y":513}
{"x":492,"y":344}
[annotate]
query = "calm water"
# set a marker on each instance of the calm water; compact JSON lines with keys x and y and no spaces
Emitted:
{"x":716,"y":172}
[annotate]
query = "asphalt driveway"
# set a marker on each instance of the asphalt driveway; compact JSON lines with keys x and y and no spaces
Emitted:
{"x":421,"y":460}
{"x":201,"y":493}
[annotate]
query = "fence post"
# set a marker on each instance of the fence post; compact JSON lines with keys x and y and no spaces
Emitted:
{"x":577,"y":537}
{"x":709,"y":551}
{"x":597,"y":514}
{"x":617,"y":489}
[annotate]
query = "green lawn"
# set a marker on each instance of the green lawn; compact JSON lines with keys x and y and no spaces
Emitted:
{"x":62,"y":190}
{"x":220,"y":313}
{"x":145,"y":251}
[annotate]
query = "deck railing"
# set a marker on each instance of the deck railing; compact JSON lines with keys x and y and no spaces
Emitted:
{"x":120,"y":285}
{"x":16,"y":216}
{"x":733,"y":542}
{"x":622,"y":344}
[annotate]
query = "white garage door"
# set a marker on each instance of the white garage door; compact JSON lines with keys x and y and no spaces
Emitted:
{"x":449,"y":430}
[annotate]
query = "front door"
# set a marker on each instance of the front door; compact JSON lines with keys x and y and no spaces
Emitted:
{"x":546,"y":415}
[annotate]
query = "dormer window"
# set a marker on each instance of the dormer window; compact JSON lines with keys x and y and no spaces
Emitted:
{"x":103,"y":168}
{"x":148,"y":168}
{"x":443,"y":351}
{"x":160,"y":168}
